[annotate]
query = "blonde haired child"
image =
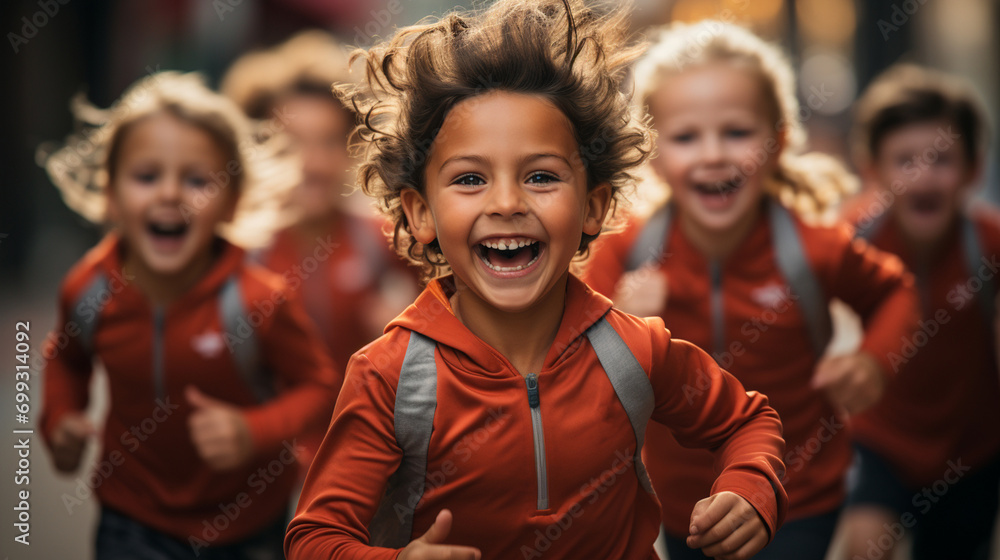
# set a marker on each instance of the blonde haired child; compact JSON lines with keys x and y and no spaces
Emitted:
{"x":213,"y":369}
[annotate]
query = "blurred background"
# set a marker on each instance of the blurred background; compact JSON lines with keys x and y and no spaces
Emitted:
{"x":57,"y":48}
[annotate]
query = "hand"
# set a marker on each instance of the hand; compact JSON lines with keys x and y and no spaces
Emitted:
{"x":70,"y":439}
{"x":429,"y":547}
{"x":642,"y":292}
{"x":853,"y":382}
{"x":218,"y":430}
{"x":726,"y":527}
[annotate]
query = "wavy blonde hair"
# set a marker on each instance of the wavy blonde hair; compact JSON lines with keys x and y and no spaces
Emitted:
{"x":808,"y":183}
{"x":86,"y":165}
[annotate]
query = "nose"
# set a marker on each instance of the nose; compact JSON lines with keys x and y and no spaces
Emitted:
{"x":506,"y":199}
{"x":712,"y":151}
{"x":169,"y":188}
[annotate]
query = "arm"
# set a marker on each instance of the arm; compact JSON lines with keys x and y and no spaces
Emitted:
{"x":64,"y":426}
{"x":704,"y":406}
{"x":877,"y":286}
{"x":307,"y":381}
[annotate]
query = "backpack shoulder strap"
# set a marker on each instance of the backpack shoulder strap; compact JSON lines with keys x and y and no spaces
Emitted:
{"x":96,"y":292}
{"x":631,"y":384}
{"x":651,"y":244}
{"x":972,"y":252}
{"x":232,"y":312}
{"x":416,"y":401}
{"x":795,"y":267}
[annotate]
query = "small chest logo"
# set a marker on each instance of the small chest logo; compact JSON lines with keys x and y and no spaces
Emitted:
{"x":208,"y":345}
{"x":772,"y":296}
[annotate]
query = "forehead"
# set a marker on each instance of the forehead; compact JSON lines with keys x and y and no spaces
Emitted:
{"x":934,"y":133}
{"x":498,"y":124}
{"x":302,"y":113}
{"x":162,"y":135}
{"x":717,"y":89}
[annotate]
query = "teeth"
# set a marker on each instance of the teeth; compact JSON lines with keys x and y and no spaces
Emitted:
{"x":508,"y":244}
{"x":509,"y":268}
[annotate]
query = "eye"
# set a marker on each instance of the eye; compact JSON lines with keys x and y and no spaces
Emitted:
{"x":542,"y":177}
{"x":197,"y":181}
{"x":683,"y":138}
{"x":469,"y":180}
{"x":146,"y":177}
{"x":738,"y":132}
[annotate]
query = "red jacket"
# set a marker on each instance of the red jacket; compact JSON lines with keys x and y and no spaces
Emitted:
{"x":157,"y":477}
{"x":481,"y":457}
{"x":945,"y":403}
{"x":767,"y":347}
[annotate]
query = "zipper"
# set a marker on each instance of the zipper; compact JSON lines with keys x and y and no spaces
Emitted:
{"x":159,"y":316}
{"x":715,"y":299}
{"x":531,"y":380}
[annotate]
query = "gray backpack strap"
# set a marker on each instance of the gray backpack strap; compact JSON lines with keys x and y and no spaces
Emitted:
{"x":96,"y":292}
{"x":651,"y":244}
{"x":972,"y":251}
{"x":631,"y":384}
{"x":416,"y":401}
{"x":794,"y":265}
{"x":233,"y":312}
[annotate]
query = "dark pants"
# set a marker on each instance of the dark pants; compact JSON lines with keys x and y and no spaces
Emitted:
{"x":948,"y":519}
{"x":802,"y":539}
{"x":122,"y":538}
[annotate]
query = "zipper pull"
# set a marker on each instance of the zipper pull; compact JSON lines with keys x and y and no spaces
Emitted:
{"x":532,"y":382}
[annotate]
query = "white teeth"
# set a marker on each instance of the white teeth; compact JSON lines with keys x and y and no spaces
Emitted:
{"x":508,"y":268}
{"x":508,"y":244}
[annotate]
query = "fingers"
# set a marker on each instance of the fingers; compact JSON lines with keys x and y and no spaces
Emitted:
{"x":429,"y":547}
{"x":197,"y":399}
{"x":726,"y":526}
{"x":69,"y":441}
{"x":439,"y":529}
{"x":829,"y":371}
{"x":744,"y":542}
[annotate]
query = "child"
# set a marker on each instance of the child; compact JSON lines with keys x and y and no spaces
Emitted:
{"x":213,"y":368}
{"x":502,"y":414}
{"x":747,"y":277}
{"x":929,"y":452}
{"x":350,"y":281}
{"x":359,"y":284}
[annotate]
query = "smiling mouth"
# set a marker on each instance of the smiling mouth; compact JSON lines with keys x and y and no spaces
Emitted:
{"x":926,"y":203}
{"x":718,"y":188}
{"x":167,"y":231}
{"x":509,"y":254}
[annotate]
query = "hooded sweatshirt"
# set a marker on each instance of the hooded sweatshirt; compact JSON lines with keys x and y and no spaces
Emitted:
{"x":482,"y":456}
{"x":148,"y":467}
{"x":767,"y":347}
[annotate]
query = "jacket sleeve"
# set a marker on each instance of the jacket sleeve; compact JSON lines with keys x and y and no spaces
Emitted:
{"x":349,"y":473}
{"x":878,"y":287}
{"x":307,"y":380}
{"x":705,"y":406}
{"x":68,"y":367}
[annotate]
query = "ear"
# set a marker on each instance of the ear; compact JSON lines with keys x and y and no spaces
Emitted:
{"x":418,"y":216}
{"x":597,"y":205}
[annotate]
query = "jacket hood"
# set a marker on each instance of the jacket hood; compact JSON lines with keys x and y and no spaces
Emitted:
{"x":431,"y":315}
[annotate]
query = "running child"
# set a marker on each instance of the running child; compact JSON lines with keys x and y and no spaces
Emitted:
{"x":735,"y":263}
{"x":921,"y":139}
{"x":213,"y":367}
{"x":337,"y":256}
{"x":502,"y":414}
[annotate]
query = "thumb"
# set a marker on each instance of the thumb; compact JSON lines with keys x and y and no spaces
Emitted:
{"x":697,"y":515}
{"x":440,"y":529}
{"x":827,"y":371}
{"x":79,"y":426}
{"x":198,"y":399}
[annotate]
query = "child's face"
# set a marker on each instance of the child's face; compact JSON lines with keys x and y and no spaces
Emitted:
{"x":717,"y":142}
{"x":167,"y":198}
{"x":927,"y":173}
{"x":319,"y":128}
{"x":506,"y":197}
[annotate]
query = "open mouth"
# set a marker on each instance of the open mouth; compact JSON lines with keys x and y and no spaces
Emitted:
{"x":926,"y":203}
{"x":167,"y":231}
{"x":718,"y":188}
{"x":509,"y":254}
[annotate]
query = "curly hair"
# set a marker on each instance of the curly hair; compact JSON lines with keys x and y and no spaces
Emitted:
{"x":561,"y":50}
{"x":85,"y":167}
{"x":809,"y":183}
{"x":906,"y":94}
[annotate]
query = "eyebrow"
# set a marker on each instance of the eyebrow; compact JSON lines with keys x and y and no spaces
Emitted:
{"x":484,"y":160}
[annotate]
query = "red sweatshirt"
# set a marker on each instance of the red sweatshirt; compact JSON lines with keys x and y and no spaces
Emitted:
{"x":944,"y":406}
{"x":157,"y":477}
{"x":481,"y":461}
{"x":767,"y":347}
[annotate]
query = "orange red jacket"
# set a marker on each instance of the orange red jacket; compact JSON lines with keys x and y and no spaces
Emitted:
{"x":943,"y":404}
{"x":767,"y":347}
{"x":481,"y":461}
{"x":151,"y":355}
